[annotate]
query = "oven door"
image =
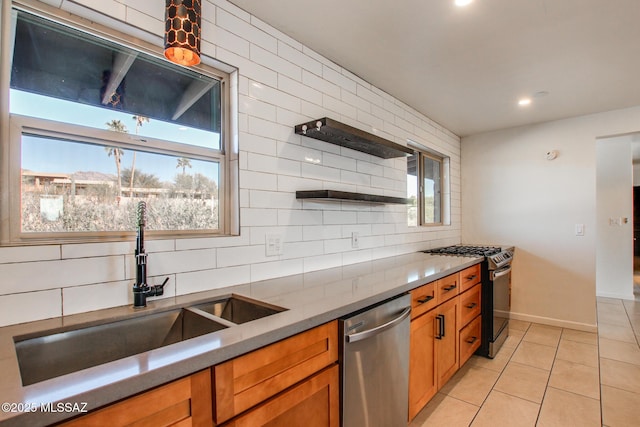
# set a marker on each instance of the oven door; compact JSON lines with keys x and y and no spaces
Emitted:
{"x":501,"y":279}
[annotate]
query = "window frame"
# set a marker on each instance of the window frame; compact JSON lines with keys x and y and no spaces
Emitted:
{"x":421,"y":153}
{"x":12,"y":126}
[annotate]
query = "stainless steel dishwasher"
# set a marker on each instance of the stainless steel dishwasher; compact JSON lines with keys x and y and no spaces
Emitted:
{"x":375,"y":365}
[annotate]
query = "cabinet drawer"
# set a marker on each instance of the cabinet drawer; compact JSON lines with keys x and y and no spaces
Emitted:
{"x":447,"y":287}
{"x":250,"y":379}
{"x":186,"y":401}
{"x":470,"y":339}
{"x":469,"y":277}
{"x":314,"y":402}
{"x":470,"y":304}
{"x":423,"y":299}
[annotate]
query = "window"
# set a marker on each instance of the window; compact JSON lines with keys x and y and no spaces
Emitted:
{"x":96,"y":127}
{"x":425,"y":188}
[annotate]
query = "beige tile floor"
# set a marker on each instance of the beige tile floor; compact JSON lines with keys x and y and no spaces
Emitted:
{"x":549,"y":376}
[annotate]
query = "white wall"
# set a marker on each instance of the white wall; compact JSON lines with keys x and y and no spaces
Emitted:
{"x":282,"y":83}
{"x":614,"y":242}
{"x":512,"y":194}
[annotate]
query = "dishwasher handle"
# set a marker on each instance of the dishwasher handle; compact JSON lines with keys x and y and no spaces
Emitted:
{"x":359,"y":336}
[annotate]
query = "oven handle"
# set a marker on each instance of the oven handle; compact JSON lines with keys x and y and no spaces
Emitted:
{"x":501,"y":272}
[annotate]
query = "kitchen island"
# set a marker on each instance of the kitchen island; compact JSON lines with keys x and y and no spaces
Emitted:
{"x":311,"y":299}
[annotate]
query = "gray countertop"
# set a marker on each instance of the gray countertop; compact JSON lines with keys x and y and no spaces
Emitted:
{"x":311,"y":299}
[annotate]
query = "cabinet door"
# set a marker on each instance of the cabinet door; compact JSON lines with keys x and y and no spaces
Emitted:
{"x":314,"y":402}
{"x":447,"y":340}
{"x":422,"y":378}
{"x":184,"y":402}
{"x":248,"y":380}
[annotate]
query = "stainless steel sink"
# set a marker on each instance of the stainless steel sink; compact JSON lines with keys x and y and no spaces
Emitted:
{"x":239,"y":309}
{"x":61,"y":352}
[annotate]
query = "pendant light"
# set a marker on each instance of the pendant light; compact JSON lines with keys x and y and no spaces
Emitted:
{"x":182,"y":31}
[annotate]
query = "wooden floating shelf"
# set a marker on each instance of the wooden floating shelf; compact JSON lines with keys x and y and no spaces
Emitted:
{"x":345,"y":196}
{"x":334,"y":132}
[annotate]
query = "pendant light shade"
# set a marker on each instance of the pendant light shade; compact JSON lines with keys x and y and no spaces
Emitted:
{"x":182,"y":32}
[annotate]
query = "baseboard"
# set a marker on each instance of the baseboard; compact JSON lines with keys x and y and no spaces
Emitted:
{"x":628,"y":296}
{"x":554,"y":322}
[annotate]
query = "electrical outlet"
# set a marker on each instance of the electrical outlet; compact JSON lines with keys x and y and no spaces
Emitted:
{"x":355,"y":239}
{"x":273,"y":244}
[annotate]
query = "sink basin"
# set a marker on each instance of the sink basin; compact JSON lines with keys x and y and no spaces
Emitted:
{"x":239,"y":309}
{"x":61,"y":352}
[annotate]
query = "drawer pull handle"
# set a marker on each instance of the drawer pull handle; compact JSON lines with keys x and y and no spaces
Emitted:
{"x":473,"y":276}
{"x":472,"y":305}
{"x":425,"y":299}
{"x":450,"y":288}
{"x":472,"y":340}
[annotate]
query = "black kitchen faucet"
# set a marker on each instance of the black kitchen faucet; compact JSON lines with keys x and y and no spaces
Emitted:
{"x":141,"y":290}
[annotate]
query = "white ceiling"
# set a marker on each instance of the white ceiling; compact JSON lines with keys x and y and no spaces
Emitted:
{"x":467,"y":67}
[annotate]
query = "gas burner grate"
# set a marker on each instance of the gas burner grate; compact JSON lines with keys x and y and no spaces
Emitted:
{"x":465,"y":250}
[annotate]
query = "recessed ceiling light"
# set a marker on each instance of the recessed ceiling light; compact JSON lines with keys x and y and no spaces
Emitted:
{"x":524,"y":101}
{"x":461,"y":3}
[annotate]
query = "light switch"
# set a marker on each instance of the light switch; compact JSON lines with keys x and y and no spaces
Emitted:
{"x":355,"y":239}
{"x":273,"y":244}
{"x":579,"y":229}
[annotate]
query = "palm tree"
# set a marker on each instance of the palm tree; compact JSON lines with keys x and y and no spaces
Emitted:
{"x":183,"y":163}
{"x":117,"y":153}
{"x":139,"y":120}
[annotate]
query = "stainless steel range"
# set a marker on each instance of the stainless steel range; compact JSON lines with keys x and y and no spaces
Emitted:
{"x":496,"y":291}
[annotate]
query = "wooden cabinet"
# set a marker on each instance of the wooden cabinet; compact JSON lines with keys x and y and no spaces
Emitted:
{"x":183,"y":402}
{"x":312,"y":403}
{"x":447,"y":341}
{"x":423,"y":383}
{"x":433,"y":353}
{"x":445,"y":331}
{"x":251,"y":379}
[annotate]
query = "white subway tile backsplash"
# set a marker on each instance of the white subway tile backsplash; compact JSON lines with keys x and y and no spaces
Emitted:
{"x":41,"y":275}
{"x":289,"y":234}
{"x":78,"y":299}
{"x":339,"y":217}
{"x":296,"y":88}
{"x":271,"y":199}
{"x":322,"y":262}
{"x":29,"y":253}
{"x":336,"y":77}
{"x":244,"y":29}
{"x":270,"y":270}
{"x":251,"y":217}
{"x":335,"y":105}
{"x":299,"y":217}
{"x":295,"y":55}
{"x":204,"y":280}
{"x":274,"y":62}
{"x":321,"y":232}
{"x":30,"y":306}
{"x":274,"y":96}
{"x":281,"y":83}
{"x":258,"y":180}
{"x":258,"y":144}
{"x":243,"y":255}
